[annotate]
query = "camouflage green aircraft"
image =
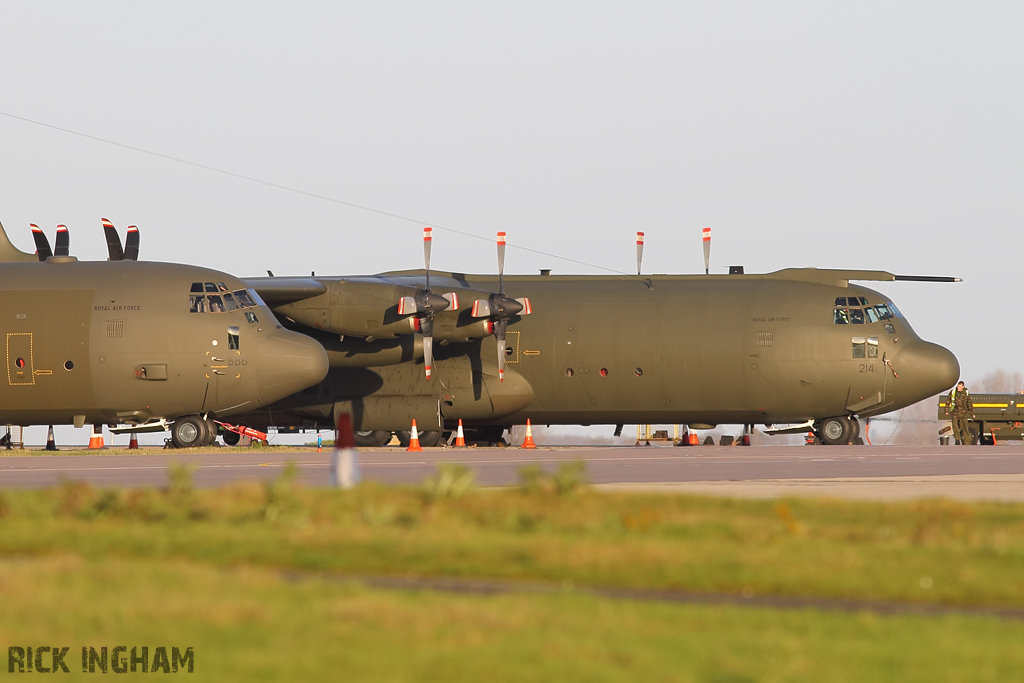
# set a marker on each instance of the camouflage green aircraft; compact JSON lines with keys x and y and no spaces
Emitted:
{"x":801,"y":347}
{"x":142,"y":344}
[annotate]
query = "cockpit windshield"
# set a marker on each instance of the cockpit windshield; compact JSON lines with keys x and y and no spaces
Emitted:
{"x":856,"y":310}
{"x":215,"y":297}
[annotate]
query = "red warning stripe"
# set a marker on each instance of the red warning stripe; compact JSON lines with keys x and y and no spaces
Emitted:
{"x":639,"y":238}
{"x":106,"y":223}
{"x":428,"y":233}
{"x":707,"y":234}
{"x":501,"y":238}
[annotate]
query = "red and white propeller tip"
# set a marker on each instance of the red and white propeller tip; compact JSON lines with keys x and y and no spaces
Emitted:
{"x":707,"y":250}
{"x":639,"y":251}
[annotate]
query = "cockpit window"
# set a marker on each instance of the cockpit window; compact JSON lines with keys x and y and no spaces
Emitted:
{"x":840,"y":301}
{"x":244,"y":299}
{"x":872,"y":314}
{"x":197,"y":287}
{"x":251,"y":317}
{"x":895,"y":311}
{"x":858,"y":347}
{"x":856,"y":316}
{"x":863,"y":301}
{"x":883,"y":312}
{"x":256,"y":297}
{"x":839,"y":317}
{"x":197,"y":303}
{"x":216,"y":304}
{"x":211,"y":287}
{"x":872,"y":347}
{"x":221,"y":287}
{"x":229,"y":302}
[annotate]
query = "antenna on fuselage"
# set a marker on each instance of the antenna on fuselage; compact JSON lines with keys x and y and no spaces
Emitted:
{"x":707,"y":250}
{"x":639,"y":251}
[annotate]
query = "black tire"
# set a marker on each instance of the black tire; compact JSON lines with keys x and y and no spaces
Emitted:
{"x":231,"y":438}
{"x":835,"y":431}
{"x":371,"y":438}
{"x":855,"y":432}
{"x":188,"y":432}
{"x":726,"y":440}
{"x":211,"y":432}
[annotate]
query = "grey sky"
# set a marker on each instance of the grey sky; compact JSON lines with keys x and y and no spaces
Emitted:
{"x":857,"y":135}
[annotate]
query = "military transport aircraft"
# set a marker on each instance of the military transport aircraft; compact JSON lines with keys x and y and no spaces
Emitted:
{"x":143,"y":344}
{"x":797,"y":346}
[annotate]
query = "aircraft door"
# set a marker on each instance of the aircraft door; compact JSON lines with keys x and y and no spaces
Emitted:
{"x":20,"y":365}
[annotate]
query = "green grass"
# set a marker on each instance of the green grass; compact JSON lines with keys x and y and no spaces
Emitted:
{"x":927,"y":551}
{"x":248,"y":624}
{"x":209,"y":569}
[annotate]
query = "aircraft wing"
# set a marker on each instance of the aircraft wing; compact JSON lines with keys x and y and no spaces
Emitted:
{"x":278,"y":291}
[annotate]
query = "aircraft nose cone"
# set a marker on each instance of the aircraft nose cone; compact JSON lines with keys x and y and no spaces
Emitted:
{"x":924,"y":370}
{"x":286,"y":363}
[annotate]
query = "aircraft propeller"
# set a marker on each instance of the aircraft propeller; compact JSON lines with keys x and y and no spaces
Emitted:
{"x":425,"y":304}
{"x":62,"y":244}
{"x":131,"y":242}
{"x":639,"y":250}
{"x":707,"y":250}
{"x":42,"y":244}
{"x":500,"y":308}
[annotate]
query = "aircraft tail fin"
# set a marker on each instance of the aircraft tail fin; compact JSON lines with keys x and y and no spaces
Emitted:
{"x":10,"y":253}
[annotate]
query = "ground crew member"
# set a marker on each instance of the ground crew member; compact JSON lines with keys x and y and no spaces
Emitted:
{"x":960,"y":405}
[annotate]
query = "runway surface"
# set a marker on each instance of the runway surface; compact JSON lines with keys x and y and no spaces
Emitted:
{"x":881,"y":472}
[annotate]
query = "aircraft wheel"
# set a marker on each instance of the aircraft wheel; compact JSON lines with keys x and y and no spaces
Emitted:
{"x":211,"y":432}
{"x":427,"y":439}
{"x":855,"y":431}
{"x":835,"y":431}
{"x":188,"y":432}
{"x":371,"y":438}
{"x":231,"y":438}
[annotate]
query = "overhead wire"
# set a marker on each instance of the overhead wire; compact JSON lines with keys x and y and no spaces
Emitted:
{"x":296,"y":190}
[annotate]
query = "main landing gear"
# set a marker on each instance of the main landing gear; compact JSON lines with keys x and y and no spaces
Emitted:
{"x":838,"y":431}
{"x":193,"y":431}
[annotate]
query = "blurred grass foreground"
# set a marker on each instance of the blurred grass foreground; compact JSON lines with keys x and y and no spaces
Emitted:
{"x":546,"y":581}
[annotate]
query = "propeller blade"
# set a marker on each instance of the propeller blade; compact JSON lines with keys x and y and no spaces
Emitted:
{"x":62,"y":245}
{"x":501,"y":263}
{"x":639,"y":250}
{"x":525,"y":303}
{"x":481,"y":308}
{"x":707,"y":250}
{"x":499,"y":334}
{"x":42,"y":244}
{"x":427,"y":327}
{"x":407,"y":305}
{"x":114,"y":251}
{"x":428,"y":234}
{"x":131,"y":244}
{"x":453,"y":300}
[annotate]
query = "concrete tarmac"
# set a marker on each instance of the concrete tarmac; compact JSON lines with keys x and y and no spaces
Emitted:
{"x":873,"y":472}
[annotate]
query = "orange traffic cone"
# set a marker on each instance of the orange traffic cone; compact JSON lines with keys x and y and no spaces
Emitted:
{"x":528,"y":441}
{"x":133,"y":443}
{"x":96,"y":440}
{"x":694,"y":439}
{"x":460,"y":438}
{"x":51,"y":445}
{"x":414,"y":440}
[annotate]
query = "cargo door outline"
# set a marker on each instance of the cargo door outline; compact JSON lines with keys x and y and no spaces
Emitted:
{"x":19,"y":345}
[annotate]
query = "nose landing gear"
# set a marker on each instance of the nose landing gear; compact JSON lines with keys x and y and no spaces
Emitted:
{"x":836,"y":431}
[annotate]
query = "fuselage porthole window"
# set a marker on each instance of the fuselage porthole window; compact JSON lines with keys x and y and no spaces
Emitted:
{"x":890,"y":329}
{"x":839,"y":316}
{"x":251,"y":317}
{"x":856,"y":316}
{"x":233,"y":338}
{"x":858,"y":347}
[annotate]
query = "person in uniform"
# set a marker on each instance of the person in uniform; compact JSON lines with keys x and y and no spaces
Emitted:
{"x":960,"y":406}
